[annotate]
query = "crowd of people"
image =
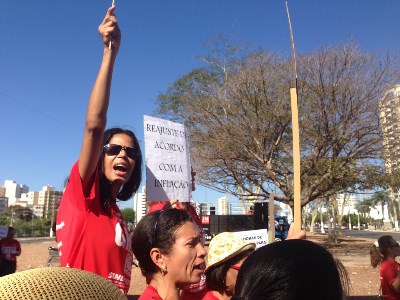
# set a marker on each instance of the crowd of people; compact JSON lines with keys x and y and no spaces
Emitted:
{"x":168,"y":242}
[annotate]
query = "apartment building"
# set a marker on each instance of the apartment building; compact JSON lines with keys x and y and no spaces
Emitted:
{"x":389,"y":107}
{"x":140,"y":204}
{"x":14,"y":191}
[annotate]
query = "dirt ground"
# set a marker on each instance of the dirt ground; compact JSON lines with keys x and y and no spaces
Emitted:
{"x":352,"y":252}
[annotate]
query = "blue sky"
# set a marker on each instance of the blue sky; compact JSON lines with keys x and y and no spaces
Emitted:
{"x":50,"y":52}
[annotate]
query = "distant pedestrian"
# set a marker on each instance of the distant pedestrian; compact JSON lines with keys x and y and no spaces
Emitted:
{"x":10,"y":249}
{"x":384,"y":252}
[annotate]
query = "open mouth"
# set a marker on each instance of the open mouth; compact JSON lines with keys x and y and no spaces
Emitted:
{"x":200,"y":267}
{"x":120,"y":169}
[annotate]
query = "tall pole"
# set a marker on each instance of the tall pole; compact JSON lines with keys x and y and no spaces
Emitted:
{"x":296,"y":135}
{"x":271,"y":216}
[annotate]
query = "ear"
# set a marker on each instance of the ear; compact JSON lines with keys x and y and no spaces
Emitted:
{"x":157,"y":257}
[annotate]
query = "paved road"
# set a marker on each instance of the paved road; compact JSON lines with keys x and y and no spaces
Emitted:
{"x":26,"y":240}
{"x":368,"y":234}
{"x":371,"y":234}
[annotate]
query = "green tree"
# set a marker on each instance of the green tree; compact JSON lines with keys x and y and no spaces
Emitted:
{"x":129,"y":215}
{"x":237,"y":111}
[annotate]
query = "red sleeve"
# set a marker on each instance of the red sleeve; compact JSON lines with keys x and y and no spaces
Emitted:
{"x":74,"y":192}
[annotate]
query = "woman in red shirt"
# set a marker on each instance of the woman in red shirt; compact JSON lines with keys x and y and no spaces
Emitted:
{"x":91,"y":232}
{"x":383,"y":252}
{"x":167,"y":245}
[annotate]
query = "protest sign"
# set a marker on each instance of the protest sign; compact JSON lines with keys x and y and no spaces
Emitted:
{"x":259,"y":237}
{"x":168,"y":174}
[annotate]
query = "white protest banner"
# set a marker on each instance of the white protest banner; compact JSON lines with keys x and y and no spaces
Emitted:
{"x":3,"y":231}
{"x":168,"y":174}
{"x":259,"y":236}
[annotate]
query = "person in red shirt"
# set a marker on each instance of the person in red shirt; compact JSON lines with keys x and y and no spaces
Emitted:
{"x":91,"y":232}
{"x":167,"y":245}
{"x":383,"y":252}
{"x":197,"y":290}
{"x":10,"y":249}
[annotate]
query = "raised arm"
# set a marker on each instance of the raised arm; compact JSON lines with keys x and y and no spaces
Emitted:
{"x":96,"y":117}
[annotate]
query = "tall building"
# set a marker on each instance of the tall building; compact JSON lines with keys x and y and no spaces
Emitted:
{"x":14,"y":191}
{"x":49,"y":199}
{"x":223,"y":206}
{"x":2,"y":191}
{"x":389,"y":107}
{"x":3,"y":204}
{"x":31,"y":198}
{"x":140,"y":204}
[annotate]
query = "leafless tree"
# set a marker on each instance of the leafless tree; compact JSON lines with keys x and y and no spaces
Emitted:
{"x":237,"y":111}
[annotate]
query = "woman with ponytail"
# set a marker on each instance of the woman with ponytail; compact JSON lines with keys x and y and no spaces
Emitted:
{"x":383,"y":252}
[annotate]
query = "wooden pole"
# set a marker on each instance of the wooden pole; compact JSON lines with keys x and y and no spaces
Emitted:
{"x":271,"y":216}
{"x":296,"y":135}
{"x":296,"y":160}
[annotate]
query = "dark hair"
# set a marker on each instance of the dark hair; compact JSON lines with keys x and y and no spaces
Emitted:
{"x":378,"y":254}
{"x":291,"y":270}
{"x":156,"y":230}
{"x":215,"y":276}
{"x":132,"y":185}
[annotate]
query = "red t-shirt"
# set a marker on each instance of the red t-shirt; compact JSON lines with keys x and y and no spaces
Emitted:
{"x":90,"y":240}
{"x":150,"y":293}
{"x":9,"y":249}
{"x":209,"y":296}
{"x":388,"y":273}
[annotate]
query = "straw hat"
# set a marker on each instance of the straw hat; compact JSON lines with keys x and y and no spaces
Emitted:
{"x":57,"y":284}
{"x":224,"y":246}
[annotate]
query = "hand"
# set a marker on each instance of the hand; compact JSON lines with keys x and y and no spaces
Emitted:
{"x":109,"y":30}
{"x":178,"y":205}
{"x":295,"y":234}
{"x":174,"y":203}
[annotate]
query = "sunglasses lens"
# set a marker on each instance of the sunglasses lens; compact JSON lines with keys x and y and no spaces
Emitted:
{"x":112,"y":149}
{"x":130,"y":152}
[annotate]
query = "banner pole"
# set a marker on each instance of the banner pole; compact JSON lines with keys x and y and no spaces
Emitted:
{"x":296,"y":135}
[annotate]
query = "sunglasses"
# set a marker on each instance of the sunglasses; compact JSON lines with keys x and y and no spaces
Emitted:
{"x":114,"y":149}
